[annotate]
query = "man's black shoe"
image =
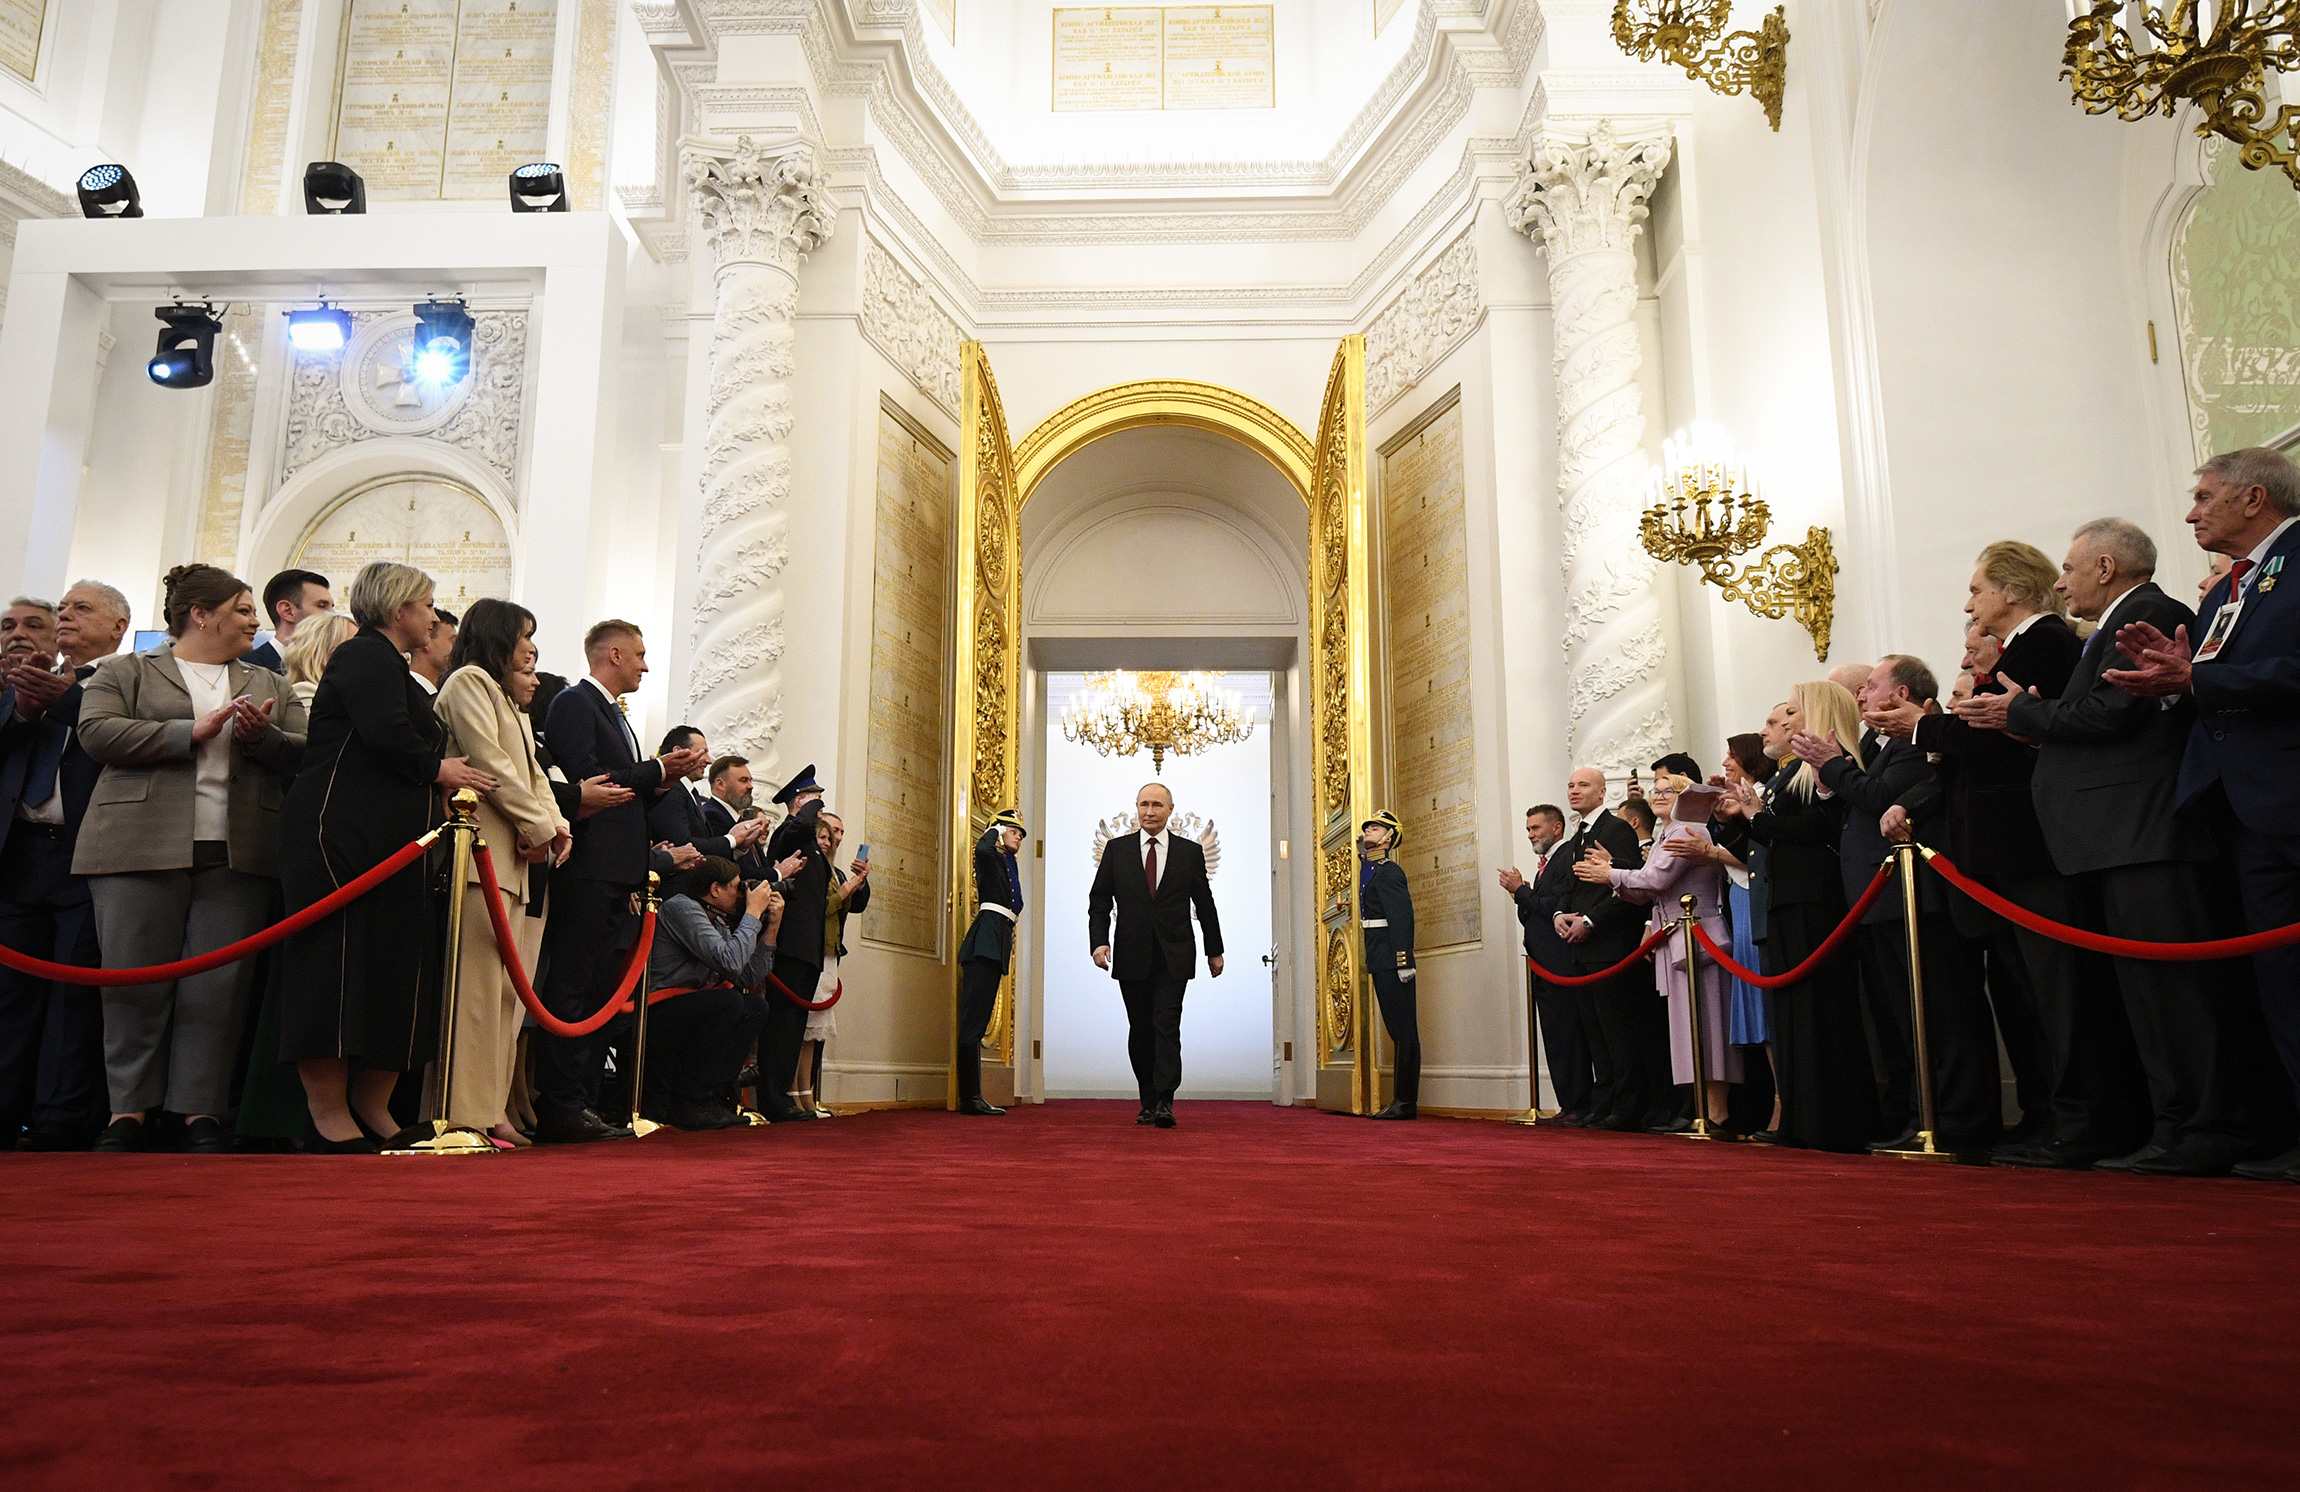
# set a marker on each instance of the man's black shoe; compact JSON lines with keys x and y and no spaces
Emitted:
{"x":1163,"y":1115}
{"x":583,"y":1129}
{"x":1673,"y":1127}
{"x":2285,"y":1167}
{"x":2052,"y":1155}
{"x":1618,"y":1123}
{"x":2127,"y":1162}
{"x":979,"y":1105}
{"x":2194,"y":1158}
{"x":693,"y":1115}
{"x":206,"y":1137}
{"x":1397,"y":1111}
{"x":41,"y":1139}
{"x":121,"y":1136}
{"x":1905,"y":1140}
{"x":1564,"y":1121}
{"x":1149,"y":1115}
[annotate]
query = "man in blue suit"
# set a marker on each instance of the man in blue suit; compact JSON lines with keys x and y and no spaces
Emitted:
{"x":2243,"y":670}
{"x":593,"y":922}
{"x":51,"y":1034}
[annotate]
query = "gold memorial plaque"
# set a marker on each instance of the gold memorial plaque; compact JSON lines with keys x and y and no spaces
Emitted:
{"x":20,"y":25}
{"x":1145,"y":58}
{"x":1220,"y":57}
{"x":1107,"y":57}
{"x":441,"y":99}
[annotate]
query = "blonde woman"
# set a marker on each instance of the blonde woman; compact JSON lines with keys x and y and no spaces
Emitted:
{"x":360,"y":987}
{"x":491,"y":678}
{"x":305,"y":663}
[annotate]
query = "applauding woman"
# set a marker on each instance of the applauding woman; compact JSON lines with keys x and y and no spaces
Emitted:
{"x":482,"y":705}
{"x":361,"y":985}
{"x":180,"y":850}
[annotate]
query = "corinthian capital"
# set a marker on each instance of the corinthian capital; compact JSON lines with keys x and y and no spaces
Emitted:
{"x":1575,"y":195}
{"x":758,"y":206}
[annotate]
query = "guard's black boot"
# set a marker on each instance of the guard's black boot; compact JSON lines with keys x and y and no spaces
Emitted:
{"x":1398,"y":1110}
{"x":978,"y":1105}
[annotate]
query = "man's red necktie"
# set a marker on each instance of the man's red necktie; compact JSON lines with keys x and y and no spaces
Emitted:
{"x":1150,"y":865}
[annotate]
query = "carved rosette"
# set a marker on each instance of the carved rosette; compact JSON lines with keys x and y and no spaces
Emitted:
{"x":1582,"y":204}
{"x":761,"y":212}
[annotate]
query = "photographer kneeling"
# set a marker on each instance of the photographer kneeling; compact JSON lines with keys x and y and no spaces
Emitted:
{"x":715,"y":940}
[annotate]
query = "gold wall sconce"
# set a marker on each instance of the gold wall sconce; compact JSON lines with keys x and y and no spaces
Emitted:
{"x":1691,"y":34}
{"x":2134,"y":58}
{"x":1706,"y":511}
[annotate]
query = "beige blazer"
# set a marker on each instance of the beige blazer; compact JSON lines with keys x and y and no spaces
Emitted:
{"x":484,"y":725}
{"x":136,"y":718}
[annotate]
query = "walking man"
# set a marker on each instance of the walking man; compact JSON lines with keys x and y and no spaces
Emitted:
{"x":1155,"y":879}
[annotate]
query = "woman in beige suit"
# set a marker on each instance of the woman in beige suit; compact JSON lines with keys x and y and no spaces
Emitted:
{"x":492,"y":676}
{"x":181,"y":849}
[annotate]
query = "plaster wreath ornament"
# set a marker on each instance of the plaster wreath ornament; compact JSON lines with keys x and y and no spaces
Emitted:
{"x":761,"y":211}
{"x":1582,"y":201}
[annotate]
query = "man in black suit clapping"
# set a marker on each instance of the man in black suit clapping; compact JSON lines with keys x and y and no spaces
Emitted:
{"x":1155,"y":879}
{"x":1537,"y":899}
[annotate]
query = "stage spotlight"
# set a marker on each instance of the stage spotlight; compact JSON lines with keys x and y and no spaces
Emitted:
{"x":186,"y":356}
{"x":332,"y":189}
{"x":323,"y":330}
{"x":538,"y":188}
{"x":109,"y":192}
{"x":442,"y":342}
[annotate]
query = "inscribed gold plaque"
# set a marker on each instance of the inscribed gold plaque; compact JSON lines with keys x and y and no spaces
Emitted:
{"x":440,"y":99}
{"x":909,"y":685}
{"x":1425,"y":571}
{"x":20,"y":36}
{"x":1107,"y":57}
{"x":1219,"y":57}
{"x":441,"y":527}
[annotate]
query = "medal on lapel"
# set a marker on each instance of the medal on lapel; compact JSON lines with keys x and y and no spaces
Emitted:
{"x":2268,"y":575}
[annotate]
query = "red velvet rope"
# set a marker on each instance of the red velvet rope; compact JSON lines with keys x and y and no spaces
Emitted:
{"x":507,"y":949}
{"x":1814,"y":960}
{"x":1643,"y":948}
{"x":2259,"y":942}
{"x":787,"y":993}
{"x":185,"y":968}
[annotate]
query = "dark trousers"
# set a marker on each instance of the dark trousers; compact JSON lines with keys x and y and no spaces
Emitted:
{"x":1605,"y":1075}
{"x":1154,"y":1030}
{"x":977,"y":998}
{"x":1960,"y":1032}
{"x":2268,"y":865}
{"x":1399,"y":1018}
{"x":1622,"y":1027}
{"x":2018,"y":1024}
{"x":696,"y":1043}
{"x":2099,"y":1094}
{"x":584,"y":945}
{"x":782,"y":1036}
{"x":1557,"y":1013}
{"x":51,"y":1034}
{"x":2185,"y":1017}
{"x":1883,"y":951}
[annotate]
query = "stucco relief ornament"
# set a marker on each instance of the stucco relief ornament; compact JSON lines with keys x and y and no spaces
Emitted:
{"x":759,"y":206}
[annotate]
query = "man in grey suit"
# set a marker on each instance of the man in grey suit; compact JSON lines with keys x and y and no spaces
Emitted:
{"x":1155,"y":879}
{"x":2107,"y":766}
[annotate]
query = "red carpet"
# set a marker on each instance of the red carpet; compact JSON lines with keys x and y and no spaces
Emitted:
{"x":1261,"y":1298}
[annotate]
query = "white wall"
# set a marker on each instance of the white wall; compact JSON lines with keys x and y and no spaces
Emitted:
{"x":1226,"y":1023}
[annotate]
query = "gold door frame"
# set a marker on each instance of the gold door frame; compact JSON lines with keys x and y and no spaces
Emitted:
{"x":996,"y":479}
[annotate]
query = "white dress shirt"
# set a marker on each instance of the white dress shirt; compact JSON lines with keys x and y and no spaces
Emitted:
{"x":1164,"y":840}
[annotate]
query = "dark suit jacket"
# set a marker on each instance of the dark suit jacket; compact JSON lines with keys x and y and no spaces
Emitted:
{"x":2248,"y":699}
{"x":718,"y":819}
{"x":1801,"y":837}
{"x":1538,"y":902}
{"x":587,"y":737}
{"x":1984,"y":786}
{"x":1145,"y":922}
{"x":76,"y":771}
{"x":2108,"y":763}
{"x":265,"y":654}
{"x":676,"y":818}
{"x":1616,"y":926}
{"x":1894,"y":768}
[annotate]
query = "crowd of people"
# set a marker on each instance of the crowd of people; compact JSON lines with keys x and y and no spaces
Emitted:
{"x":2126,"y":779}
{"x":167,"y":803}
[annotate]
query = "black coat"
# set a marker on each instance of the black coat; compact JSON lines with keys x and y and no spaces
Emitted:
{"x":1894,"y":769}
{"x":997,"y":882}
{"x":23,"y":740}
{"x":1616,"y":927}
{"x":1385,"y":896}
{"x":1148,"y":924}
{"x":588,"y":736}
{"x":676,"y":818}
{"x":1984,"y":786}
{"x":1800,"y":836}
{"x":719,"y":819}
{"x":2108,"y":763}
{"x":806,"y":892}
{"x":1538,"y":903}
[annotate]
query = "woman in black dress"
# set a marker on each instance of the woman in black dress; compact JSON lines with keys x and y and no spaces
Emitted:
{"x":1820,"y":1051}
{"x":360,"y":987}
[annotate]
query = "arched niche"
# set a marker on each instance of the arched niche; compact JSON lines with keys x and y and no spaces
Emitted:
{"x":461,"y":528}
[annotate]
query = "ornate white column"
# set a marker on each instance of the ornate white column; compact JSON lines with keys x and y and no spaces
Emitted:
{"x":1581,"y":203}
{"x":761,"y":212}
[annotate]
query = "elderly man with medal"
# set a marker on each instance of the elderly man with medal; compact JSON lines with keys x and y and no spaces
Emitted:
{"x":1386,"y":914}
{"x":988,"y":951}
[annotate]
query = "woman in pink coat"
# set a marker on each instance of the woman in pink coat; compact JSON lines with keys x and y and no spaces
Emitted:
{"x":1664,"y":878}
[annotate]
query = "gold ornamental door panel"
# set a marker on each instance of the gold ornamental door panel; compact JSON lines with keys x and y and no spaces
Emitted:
{"x":986,"y":702}
{"x":1341,"y":704}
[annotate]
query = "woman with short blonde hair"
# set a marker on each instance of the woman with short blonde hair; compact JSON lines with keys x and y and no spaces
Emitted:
{"x":2024,"y":574}
{"x":305,"y":658}
{"x":382,"y":589}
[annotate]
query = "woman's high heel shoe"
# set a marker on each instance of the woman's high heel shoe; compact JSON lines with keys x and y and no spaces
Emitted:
{"x":315,"y":1143}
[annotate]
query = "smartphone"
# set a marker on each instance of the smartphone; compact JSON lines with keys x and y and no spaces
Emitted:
{"x":862,"y":853}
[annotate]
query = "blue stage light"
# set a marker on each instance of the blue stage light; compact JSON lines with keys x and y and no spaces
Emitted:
{"x":442,"y":342}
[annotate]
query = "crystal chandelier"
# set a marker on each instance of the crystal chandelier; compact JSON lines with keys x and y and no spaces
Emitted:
{"x":1123,"y":712}
{"x":2134,"y":58}
{"x":1705,"y":510}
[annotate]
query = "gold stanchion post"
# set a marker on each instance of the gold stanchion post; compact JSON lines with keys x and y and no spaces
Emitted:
{"x":642,"y":1126}
{"x":1532,"y":1049}
{"x":1926,"y":1147}
{"x":1702,"y":1129}
{"x":439,"y":1136}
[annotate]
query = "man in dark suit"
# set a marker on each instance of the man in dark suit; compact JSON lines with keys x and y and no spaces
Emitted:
{"x":681,"y":816}
{"x":729,"y":804}
{"x":2242,"y":669}
{"x":2108,"y":764}
{"x":51,"y":1034}
{"x":593,"y":923}
{"x":1556,"y":1011}
{"x":1623,"y":1022}
{"x":1155,"y":879}
{"x":289,"y":597}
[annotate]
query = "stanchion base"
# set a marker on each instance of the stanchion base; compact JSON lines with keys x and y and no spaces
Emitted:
{"x":445,"y":1139}
{"x":1923,"y":1149}
{"x":641,"y":1128}
{"x":753,"y":1119}
{"x":1529,"y":1117}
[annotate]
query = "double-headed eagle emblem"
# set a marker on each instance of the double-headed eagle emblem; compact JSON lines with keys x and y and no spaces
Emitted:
{"x":1188,"y":825}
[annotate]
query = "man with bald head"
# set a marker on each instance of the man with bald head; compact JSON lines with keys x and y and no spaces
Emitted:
{"x":1621,"y":1019}
{"x":1155,"y":879}
{"x":1851,"y":676}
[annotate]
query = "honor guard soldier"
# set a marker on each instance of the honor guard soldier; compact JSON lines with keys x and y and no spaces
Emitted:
{"x":988,"y":950}
{"x":1386,"y":912}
